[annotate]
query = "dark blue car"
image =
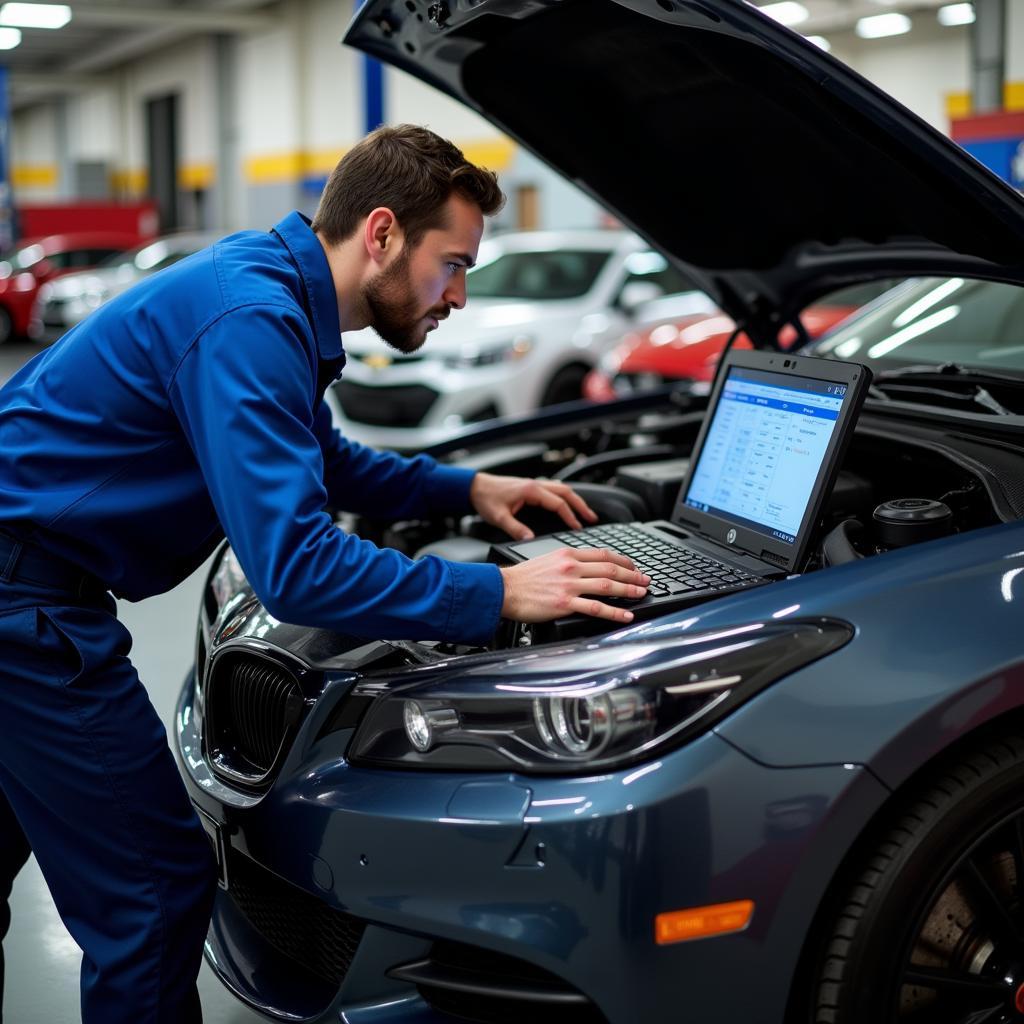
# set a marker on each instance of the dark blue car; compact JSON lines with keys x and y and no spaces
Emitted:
{"x":803,"y":802}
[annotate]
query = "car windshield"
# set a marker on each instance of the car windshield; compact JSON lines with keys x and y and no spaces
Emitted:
{"x":562,"y":274}
{"x":936,"y":321}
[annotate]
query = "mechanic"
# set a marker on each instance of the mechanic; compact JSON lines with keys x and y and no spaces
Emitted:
{"x":191,"y":408}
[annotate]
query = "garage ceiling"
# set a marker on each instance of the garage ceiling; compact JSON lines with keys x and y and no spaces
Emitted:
{"x":105,"y":33}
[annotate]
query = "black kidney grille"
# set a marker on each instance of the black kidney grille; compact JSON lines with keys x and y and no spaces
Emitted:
{"x":252,"y":706}
{"x":296,"y":923}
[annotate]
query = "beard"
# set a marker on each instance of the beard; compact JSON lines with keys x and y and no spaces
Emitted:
{"x":394,"y":312}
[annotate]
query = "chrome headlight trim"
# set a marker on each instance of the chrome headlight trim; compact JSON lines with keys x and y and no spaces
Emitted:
{"x":592,"y":706}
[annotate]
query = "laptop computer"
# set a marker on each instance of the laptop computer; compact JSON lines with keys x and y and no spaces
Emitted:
{"x":772,"y":441}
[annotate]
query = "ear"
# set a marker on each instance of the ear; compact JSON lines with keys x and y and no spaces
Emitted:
{"x":381,"y":234}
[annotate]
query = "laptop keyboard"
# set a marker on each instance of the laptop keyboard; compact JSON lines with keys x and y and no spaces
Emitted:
{"x":673,"y":569}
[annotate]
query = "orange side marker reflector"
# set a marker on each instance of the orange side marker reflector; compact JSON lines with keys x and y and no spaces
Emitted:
{"x":702,"y":922}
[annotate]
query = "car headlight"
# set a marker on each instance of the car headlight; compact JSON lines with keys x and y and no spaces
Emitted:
{"x":507,"y":352}
{"x":228,"y":583}
{"x":583,"y":707}
{"x":95,"y":297}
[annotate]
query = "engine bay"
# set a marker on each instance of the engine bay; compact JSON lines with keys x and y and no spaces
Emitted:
{"x":890,"y":492}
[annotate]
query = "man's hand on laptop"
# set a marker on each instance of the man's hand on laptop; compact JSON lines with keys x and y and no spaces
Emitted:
{"x":571,"y":581}
{"x":497,"y":499}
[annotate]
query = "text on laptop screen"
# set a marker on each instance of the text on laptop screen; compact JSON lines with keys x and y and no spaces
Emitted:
{"x":764,"y":449}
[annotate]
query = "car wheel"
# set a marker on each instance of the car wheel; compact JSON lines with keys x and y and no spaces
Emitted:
{"x":565,"y":386}
{"x":6,"y":326}
{"x":933,"y":928}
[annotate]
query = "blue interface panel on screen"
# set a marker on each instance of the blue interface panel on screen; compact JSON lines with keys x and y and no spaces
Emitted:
{"x":764,"y":450}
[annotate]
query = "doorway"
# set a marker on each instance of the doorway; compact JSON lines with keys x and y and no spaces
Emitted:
{"x":162,"y":152}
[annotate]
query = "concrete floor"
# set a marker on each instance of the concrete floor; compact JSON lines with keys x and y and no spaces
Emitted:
{"x":42,"y":960}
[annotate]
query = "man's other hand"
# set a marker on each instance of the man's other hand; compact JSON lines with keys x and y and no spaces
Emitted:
{"x":553,"y":585}
{"x":497,"y":499}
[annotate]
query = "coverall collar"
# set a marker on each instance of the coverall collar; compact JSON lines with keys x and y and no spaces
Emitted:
{"x":297,"y":234}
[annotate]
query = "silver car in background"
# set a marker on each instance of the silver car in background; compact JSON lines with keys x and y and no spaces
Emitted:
{"x":543,"y":307}
{"x":66,"y":301}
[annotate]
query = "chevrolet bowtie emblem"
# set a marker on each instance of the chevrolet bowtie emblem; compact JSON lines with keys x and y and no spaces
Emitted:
{"x":377,"y":362}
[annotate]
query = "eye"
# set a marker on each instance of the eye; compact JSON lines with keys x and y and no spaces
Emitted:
{"x":453,"y":268}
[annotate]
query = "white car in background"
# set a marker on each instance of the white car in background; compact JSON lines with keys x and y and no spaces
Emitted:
{"x":67,"y":300}
{"x":543,"y":307}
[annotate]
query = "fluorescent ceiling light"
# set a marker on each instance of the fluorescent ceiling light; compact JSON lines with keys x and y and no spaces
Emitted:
{"x":821,"y":42}
{"x":35,"y":15}
{"x":876,"y":26}
{"x":787,"y":12}
{"x":956,"y":14}
{"x":9,"y":38}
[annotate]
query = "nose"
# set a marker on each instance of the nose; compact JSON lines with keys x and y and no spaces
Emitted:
{"x":455,"y":293}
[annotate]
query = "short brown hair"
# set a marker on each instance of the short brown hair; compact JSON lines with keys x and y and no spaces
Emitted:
{"x":410,"y":170}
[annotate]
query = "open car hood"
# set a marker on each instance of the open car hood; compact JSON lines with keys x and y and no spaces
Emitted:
{"x":769,"y":171}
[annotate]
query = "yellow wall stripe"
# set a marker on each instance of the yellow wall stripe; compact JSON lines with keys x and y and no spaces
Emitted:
{"x":292,"y":166}
{"x":274,"y":167}
{"x":196,"y":176}
{"x":494,"y":154}
{"x":958,"y":104}
{"x":1013,"y":95}
{"x":34,"y":175}
{"x":321,"y":161}
{"x":129,"y":181}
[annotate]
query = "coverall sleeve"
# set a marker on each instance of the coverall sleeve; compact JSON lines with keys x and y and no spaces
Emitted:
{"x":383,"y":484}
{"x":243,"y":394}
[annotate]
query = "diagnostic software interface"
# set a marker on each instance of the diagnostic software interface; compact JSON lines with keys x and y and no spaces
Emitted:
{"x":764,"y":450}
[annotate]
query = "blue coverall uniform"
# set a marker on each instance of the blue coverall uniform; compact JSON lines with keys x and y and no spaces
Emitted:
{"x":188,"y":408}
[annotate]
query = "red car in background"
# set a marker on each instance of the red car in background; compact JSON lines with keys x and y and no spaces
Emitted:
{"x":35,"y":260}
{"x":688,"y":347}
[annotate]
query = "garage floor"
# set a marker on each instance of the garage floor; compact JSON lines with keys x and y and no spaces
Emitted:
{"x":42,"y":960}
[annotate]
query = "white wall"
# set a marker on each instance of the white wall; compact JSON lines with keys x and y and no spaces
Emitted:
{"x":93,"y":119}
{"x":919,"y":69}
{"x":1014,"y":41}
{"x":269,"y":103}
{"x":34,"y":153}
{"x":187,"y":69}
{"x":411,"y":101}
{"x":333,"y":80}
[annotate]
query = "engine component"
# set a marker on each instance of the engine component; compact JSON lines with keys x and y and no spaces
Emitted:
{"x":657,"y":483}
{"x":911,"y":520}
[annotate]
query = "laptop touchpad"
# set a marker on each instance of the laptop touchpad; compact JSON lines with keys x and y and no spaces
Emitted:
{"x":533,"y":548}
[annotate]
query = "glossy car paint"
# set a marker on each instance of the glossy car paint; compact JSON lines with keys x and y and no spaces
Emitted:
{"x":766,"y":807}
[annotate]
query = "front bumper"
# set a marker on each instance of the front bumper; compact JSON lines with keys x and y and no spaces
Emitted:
{"x":410,"y":406}
{"x":566,"y":874}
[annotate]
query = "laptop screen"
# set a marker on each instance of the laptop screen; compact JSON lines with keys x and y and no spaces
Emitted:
{"x":764,"y":450}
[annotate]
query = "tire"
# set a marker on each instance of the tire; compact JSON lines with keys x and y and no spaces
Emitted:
{"x":932,"y":930}
{"x":565,"y":386}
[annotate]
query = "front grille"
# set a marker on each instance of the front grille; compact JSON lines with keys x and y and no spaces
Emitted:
{"x":297,"y":924}
{"x":402,"y":406}
{"x":252,"y":708}
{"x":54,"y":318}
{"x":492,"y":988}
